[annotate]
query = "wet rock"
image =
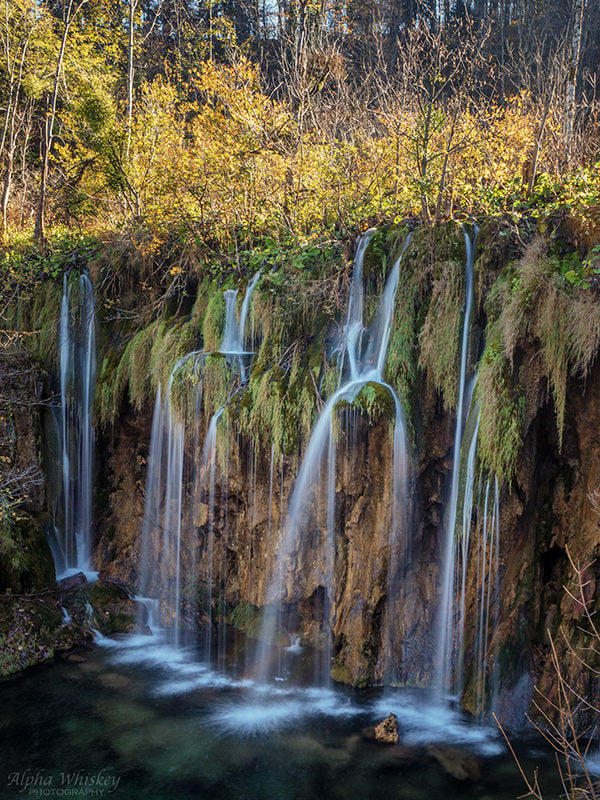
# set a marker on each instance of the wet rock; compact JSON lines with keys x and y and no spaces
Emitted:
{"x":32,"y":631}
{"x":456,"y":762}
{"x":72,"y":581}
{"x":387,"y":730}
{"x":400,"y":755}
{"x":114,"y":680}
{"x":368,"y":734}
{"x":76,"y":658}
{"x":103,"y":605}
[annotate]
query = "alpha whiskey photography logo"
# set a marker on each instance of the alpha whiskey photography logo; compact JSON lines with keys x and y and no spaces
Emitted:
{"x":77,"y":783}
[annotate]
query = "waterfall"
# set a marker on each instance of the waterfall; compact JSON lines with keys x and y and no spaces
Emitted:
{"x":359,"y":365}
{"x":77,"y":361}
{"x":488,"y":544}
{"x":208,"y":468}
{"x":162,"y":571}
{"x":231,"y":343}
{"x":234,"y":337}
{"x":160,"y":562}
{"x":460,"y":547}
{"x":445,"y":659}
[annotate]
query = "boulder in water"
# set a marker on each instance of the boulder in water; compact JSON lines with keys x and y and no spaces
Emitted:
{"x":72,"y":581}
{"x":387,"y":731}
{"x":456,"y":762}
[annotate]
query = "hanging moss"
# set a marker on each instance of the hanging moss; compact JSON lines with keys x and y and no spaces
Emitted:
{"x":440,"y":337}
{"x":140,"y":383}
{"x":376,"y":402}
{"x":203,"y":294}
{"x":40,"y":316}
{"x":410,"y":307}
{"x":541,"y":305}
{"x":217,"y":383}
{"x":263,"y":410}
{"x":181,"y":338}
{"x":501,"y":411}
{"x":187,"y":387}
{"x":104,"y":404}
{"x":214,"y":323}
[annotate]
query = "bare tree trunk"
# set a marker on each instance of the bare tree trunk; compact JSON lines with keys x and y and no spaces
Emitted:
{"x":48,"y":132}
{"x":442,"y":183}
{"x":7,"y":185}
{"x":28,"y":124}
{"x":578,"y":11}
{"x":130,"y":73}
{"x":39,"y":230}
{"x":538,"y":142}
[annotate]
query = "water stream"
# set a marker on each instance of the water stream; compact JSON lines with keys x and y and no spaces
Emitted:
{"x":447,"y":644}
{"x":77,"y":362}
{"x":167,"y":563}
{"x":363,"y":353}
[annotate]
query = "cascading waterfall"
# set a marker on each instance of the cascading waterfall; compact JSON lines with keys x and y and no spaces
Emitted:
{"x":162,"y":572}
{"x":465,"y":514}
{"x":445,"y":660}
{"x":359,"y":365}
{"x":77,"y":350}
{"x":208,"y":470}
{"x":487,"y":554}
{"x":460,"y":547}
{"x":160,"y":563}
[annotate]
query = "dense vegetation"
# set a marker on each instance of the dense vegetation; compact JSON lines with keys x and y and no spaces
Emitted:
{"x":172,"y":149}
{"x":204,"y":128}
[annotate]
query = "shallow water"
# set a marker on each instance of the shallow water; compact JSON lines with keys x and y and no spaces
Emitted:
{"x":136,"y":719}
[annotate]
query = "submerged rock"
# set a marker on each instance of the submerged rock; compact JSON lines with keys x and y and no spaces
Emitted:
{"x":387,"y":731}
{"x":456,"y":762}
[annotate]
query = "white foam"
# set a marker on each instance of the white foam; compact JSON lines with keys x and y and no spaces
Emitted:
{"x":592,"y":764}
{"x":90,"y":575}
{"x":424,"y":722}
{"x":268,"y":708}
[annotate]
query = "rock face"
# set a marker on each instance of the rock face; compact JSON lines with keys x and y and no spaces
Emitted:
{"x":383,"y":611}
{"x":547,"y":513}
{"x":387,"y":730}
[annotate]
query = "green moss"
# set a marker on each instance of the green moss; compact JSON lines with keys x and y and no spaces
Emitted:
{"x":414,"y":279}
{"x":105,"y":409}
{"x":140,"y":383}
{"x":539,"y":304}
{"x":113,"y":609}
{"x":375,"y":401}
{"x":26,"y":563}
{"x":214,"y":323}
{"x":45,"y":318}
{"x":440,"y":337}
{"x":501,"y":411}
{"x":217,"y":383}
{"x":246,"y":617}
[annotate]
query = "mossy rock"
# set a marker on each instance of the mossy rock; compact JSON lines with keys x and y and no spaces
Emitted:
{"x":376,"y":401}
{"x":114,"y":611}
{"x":246,"y":617}
{"x":26,"y":563}
{"x":340,"y":673}
{"x":32,"y":630}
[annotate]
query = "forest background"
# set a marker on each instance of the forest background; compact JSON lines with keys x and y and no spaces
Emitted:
{"x":189,"y":133}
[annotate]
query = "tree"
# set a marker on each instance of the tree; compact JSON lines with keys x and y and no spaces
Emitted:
{"x":576,"y":39}
{"x":19,"y":25}
{"x":70,"y":11}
